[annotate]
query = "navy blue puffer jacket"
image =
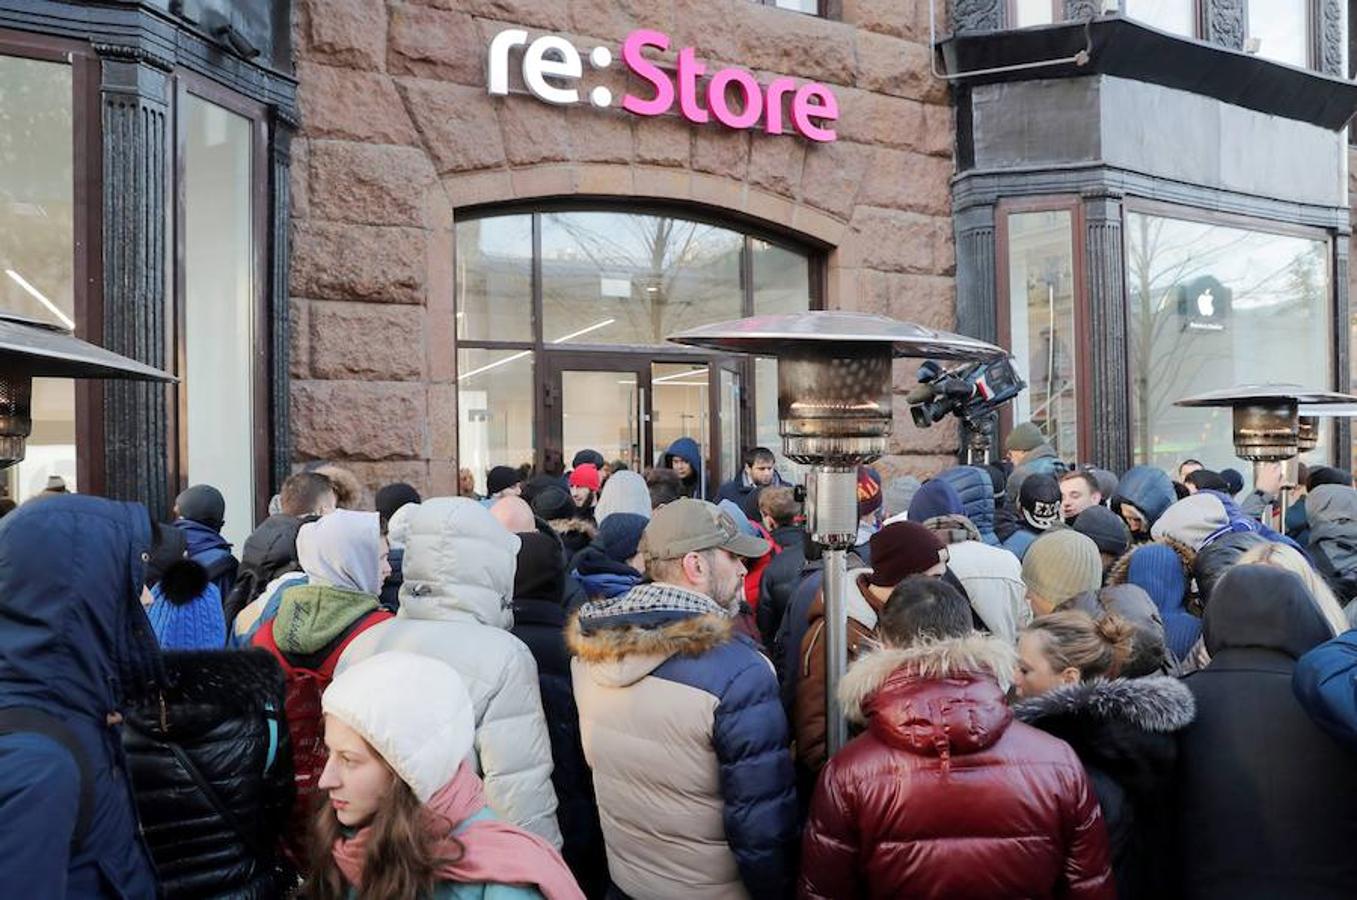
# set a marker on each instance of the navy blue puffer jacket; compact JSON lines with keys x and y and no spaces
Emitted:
{"x":976,"y":490}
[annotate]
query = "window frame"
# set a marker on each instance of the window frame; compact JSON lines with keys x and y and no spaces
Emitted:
{"x":185,"y":84}
{"x":749,"y":229}
{"x":1083,"y":363}
{"x":1312,"y":36}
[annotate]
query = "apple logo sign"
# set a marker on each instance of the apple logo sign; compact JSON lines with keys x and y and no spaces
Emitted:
{"x":1206,"y":303}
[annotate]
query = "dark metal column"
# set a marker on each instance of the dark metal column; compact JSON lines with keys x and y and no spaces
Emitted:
{"x":977,"y":310}
{"x":280,"y":210}
{"x":1105,"y":282}
{"x":135,"y":116}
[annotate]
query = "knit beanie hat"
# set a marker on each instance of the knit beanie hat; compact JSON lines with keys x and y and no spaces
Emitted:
{"x":1234,"y":481}
{"x":1194,"y":520}
{"x":186,"y":612}
{"x":623,"y":492}
{"x":1062,"y":564}
{"x":554,"y":502}
{"x":869,"y":491}
{"x":501,"y":478}
{"x":1105,"y":528}
{"x":203,"y":504}
{"x":619,"y":535}
{"x":936,"y":498}
{"x":392,"y":497}
{"x":1159,"y":570}
{"x":1024,"y":437}
{"x":585,"y":475}
{"x":903,"y":549}
{"x":1039,"y":501}
{"x":413,"y":710}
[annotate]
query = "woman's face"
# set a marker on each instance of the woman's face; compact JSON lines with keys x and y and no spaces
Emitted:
{"x":355,"y":777}
{"x":1034,"y":675}
{"x":681,"y":466}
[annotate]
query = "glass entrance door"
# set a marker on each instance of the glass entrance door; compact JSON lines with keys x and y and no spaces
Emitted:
{"x":601,"y":410}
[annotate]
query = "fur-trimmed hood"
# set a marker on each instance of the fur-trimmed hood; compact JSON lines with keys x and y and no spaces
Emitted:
{"x":1123,"y":726}
{"x":620,"y":657}
{"x":934,"y":698}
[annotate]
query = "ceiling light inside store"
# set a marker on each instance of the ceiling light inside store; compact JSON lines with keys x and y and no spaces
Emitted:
{"x":522,"y":353}
{"x":41,"y":298}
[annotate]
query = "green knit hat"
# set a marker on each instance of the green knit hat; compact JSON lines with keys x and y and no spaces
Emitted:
{"x":1024,"y":437}
{"x":1062,"y":564}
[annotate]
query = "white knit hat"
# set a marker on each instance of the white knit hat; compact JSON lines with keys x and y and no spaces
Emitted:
{"x":414,"y":710}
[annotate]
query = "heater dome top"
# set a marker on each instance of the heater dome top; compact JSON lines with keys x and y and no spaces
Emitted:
{"x":1249,"y":394}
{"x":780,"y":334}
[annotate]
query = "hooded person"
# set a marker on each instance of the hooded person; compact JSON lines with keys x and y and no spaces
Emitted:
{"x":1332,"y":512}
{"x":1143,"y":494}
{"x":1059,"y":566}
{"x":612,"y":564}
{"x":624,"y":492}
{"x":316,"y":622}
{"x":457,"y":606}
{"x":1038,"y":512}
{"x":943,"y":794}
{"x":936,"y":498}
{"x":1073,"y":684}
{"x":1264,"y":798}
{"x":405,"y":802}
{"x":976,"y":491}
{"x":539,"y":622}
{"x":1203,"y":518}
{"x":73,"y":641}
{"x":200,"y":512}
{"x":1164,"y":575}
{"x":684,"y":456}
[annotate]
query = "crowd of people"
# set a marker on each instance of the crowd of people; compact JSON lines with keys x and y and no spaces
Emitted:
{"x":593,"y":682}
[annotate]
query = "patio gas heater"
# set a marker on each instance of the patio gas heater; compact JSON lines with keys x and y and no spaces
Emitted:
{"x":1268,"y":426}
{"x":834,"y":404}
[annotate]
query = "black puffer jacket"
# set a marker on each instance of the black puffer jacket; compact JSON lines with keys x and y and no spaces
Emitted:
{"x":1123,"y":732}
{"x":211,"y":767}
{"x":269,"y":551}
{"x":779,"y":581}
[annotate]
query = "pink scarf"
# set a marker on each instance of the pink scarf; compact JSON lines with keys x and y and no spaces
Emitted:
{"x":496,"y":852}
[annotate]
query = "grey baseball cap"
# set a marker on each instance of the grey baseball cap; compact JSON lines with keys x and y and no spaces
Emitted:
{"x":688,"y":526}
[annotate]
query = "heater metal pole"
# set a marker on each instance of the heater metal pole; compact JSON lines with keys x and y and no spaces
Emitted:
{"x":836,"y":645}
{"x":832,"y":516}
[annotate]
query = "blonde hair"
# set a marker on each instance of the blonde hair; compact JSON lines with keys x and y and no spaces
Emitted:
{"x":1281,"y":556}
{"x":1098,"y":648}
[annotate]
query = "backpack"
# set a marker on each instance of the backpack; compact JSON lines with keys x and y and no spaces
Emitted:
{"x":305,"y":722}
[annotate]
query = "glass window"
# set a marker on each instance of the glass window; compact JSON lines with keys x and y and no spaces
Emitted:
{"x":1213,"y":306}
{"x":219,"y":293}
{"x":1043,"y":338}
{"x":602,"y":411}
{"x":781,"y":279}
{"x":495,"y":398}
{"x":37,"y":247}
{"x":494,"y":279}
{"x":680,"y":409}
{"x":1282,"y":30}
{"x":809,"y":7}
{"x":623,"y":278}
{"x":1032,"y":12}
{"x":1173,"y":16}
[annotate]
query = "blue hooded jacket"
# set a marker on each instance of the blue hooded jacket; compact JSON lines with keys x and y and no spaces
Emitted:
{"x":72,"y":632}
{"x":1325,"y":683}
{"x":1148,"y":489}
{"x":976,"y":490}
{"x":210,"y":550}
{"x":686,"y":448}
{"x":935,"y":498}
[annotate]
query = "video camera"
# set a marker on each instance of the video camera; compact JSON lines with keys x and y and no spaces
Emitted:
{"x":971,"y":391}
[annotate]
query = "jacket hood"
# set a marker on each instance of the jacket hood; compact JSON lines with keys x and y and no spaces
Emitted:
{"x":1216,"y":558}
{"x":201,"y":537}
{"x":310,"y":616}
{"x":1330,"y":505}
{"x":686,"y":449}
{"x":574,"y":531}
{"x":540,"y":573}
{"x":1123,"y":727}
{"x":976,"y":490}
{"x":624,"y":491}
{"x":1263,"y":607}
{"x":341,"y":549}
{"x":72,"y":630}
{"x":622,"y":656}
{"x":459,"y":562}
{"x":1148,"y":489}
{"x":936,"y":498}
{"x":935,"y":698}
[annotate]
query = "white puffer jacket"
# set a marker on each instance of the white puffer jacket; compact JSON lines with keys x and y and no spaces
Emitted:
{"x":457,"y":606}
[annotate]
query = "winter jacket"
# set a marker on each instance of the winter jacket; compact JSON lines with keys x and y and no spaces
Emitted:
{"x":1041,"y":461}
{"x":1021,"y":538}
{"x":1213,"y":561}
{"x":688,"y":745}
{"x":1123,"y":732}
{"x":457,"y":606}
{"x":210,"y":550}
{"x":214,"y":759}
{"x":945,"y":796}
{"x":976,"y":490}
{"x":744,"y":493}
{"x":1148,"y":489}
{"x":1325,"y":683}
{"x":391,"y":587}
{"x":269,"y":551}
{"x":1332,"y":511}
{"x":808,"y":712}
{"x":786,"y":649}
{"x":602,"y":576}
{"x":779,"y":581}
{"x":1264,"y":799}
{"x":575,"y":535}
{"x":1298,"y":524}
{"x":687,"y":449}
{"x":539,"y":622}
{"x":992,"y":580}
{"x":71,"y":628}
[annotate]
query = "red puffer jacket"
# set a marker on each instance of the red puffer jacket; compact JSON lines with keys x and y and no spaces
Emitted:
{"x":945,"y":796}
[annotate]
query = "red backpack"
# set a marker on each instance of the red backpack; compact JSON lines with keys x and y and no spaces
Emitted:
{"x":306,"y":726}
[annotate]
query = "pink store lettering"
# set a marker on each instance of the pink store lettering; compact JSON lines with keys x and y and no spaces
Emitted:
{"x":553,"y":68}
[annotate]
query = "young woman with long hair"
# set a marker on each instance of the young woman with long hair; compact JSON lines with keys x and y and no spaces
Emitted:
{"x":405,"y":815}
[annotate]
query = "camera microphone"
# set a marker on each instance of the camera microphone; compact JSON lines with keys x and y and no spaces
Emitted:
{"x":921,"y":393}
